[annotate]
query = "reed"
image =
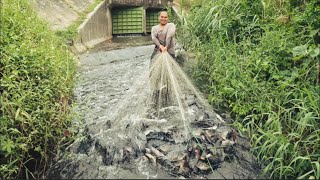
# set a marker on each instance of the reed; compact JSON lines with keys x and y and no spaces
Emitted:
{"x":259,"y":61}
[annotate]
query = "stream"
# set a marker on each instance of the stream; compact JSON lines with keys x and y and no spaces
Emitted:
{"x":121,"y":134}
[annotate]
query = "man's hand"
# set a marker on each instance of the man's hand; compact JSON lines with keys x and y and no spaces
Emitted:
{"x":163,"y":48}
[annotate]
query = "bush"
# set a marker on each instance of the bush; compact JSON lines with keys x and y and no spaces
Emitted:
{"x":36,"y":72}
{"x":260,"y":61}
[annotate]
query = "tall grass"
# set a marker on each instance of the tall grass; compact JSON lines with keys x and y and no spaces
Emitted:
{"x":260,"y":61}
{"x":36,"y":72}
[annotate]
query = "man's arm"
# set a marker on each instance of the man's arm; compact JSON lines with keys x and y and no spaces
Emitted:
{"x":170,"y":34}
{"x":154,"y":39}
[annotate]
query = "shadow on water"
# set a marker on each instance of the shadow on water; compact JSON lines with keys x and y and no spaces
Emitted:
{"x":147,"y":120}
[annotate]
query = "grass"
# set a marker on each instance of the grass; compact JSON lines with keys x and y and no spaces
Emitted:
{"x":260,"y":61}
{"x":36,"y":72}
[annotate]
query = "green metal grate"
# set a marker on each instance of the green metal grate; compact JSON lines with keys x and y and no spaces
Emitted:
{"x":127,"y":20}
{"x":152,"y":18}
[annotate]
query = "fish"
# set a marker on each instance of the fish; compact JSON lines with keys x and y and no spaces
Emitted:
{"x":202,"y":166}
{"x":156,"y":152}
{"x":151,"y":158}
{"x":227,"y":142}
{"x":148,"y":150}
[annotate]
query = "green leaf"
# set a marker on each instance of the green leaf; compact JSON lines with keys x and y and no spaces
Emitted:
{"x":8,"y":146}
{"x":314,"y":32}
{"x":14,"y":130}
{"x":315,"y":52}
{"x":300,"y":50}
{"x":17,"y":113}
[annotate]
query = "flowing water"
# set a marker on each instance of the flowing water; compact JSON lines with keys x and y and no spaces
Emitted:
{"x":142,"y":119}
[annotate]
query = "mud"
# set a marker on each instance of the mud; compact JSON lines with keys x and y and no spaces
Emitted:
{"x":121,"y":134}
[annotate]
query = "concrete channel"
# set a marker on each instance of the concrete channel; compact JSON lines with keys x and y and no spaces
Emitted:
{"x":117,"y":132}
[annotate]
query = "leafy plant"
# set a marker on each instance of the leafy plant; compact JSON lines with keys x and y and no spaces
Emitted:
{"x":36,"y":72}
{"x":260,"y":61}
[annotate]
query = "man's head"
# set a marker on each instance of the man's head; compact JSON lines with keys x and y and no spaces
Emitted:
{"x":163,"y":17}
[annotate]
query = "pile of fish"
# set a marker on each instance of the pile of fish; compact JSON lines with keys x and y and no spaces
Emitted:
{"x":208,"y":147}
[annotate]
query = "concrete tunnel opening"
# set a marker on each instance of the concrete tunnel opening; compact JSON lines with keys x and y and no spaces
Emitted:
{"x":133,"y":20}
{"x":116,"y":18}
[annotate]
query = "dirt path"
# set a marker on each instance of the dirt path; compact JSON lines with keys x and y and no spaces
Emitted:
{"x":120,"y":137}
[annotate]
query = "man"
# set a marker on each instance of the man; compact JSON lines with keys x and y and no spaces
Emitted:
{"x":163,"y":35}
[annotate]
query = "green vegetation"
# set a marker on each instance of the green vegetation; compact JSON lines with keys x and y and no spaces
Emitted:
{"x":260,"y":61}
{"x":36,"y":71}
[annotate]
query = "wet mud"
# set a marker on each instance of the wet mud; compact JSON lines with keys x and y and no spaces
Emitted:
{"x":124,"y":133}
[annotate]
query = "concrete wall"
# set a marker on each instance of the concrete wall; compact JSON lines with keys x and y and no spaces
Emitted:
{"x":95,"y":29}
{"x":60,"y":13}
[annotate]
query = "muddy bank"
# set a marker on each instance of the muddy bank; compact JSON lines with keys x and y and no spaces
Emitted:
{"x":122,"y":135}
